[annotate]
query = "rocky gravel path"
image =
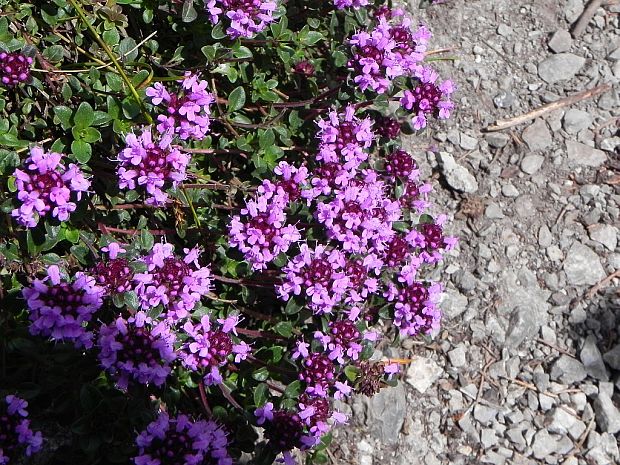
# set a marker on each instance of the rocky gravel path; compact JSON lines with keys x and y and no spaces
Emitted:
{"x":526,"y":369}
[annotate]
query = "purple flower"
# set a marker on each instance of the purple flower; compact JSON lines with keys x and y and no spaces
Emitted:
{"x":61,"y":310}
{"x":317,"y":274}
{"x":153,"y":164}
{"x":14,"y":68}
{"x":389,"y":50}
{"x":207,"y":348}
{"x":360,"y":215}
{"x":318,"y":373}
{"x":402,"y":165}
{"x":264,"y":413}
{"x":182,"y":440}
{"x":261,"y":232}
{"x":343,"y":138}
{"x":136,"y":350}
{"x":415,"y":309}
{"x":247,"y":17}
{"x":356,"y":4}
{"x":428,"y":98}
{"x":342,"y":340}
{"x":115,"y":275}
{"x":188,"y":111}
{"x":176,"y":284}
{"x":16,"y":437}
{"x":45,"y":185}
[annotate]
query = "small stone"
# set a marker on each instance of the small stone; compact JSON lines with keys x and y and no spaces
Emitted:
{"x":422,"y":373}
{"x":488,"y":438}
{"x":504,"y":99}
{"x":468,"y":142}
{"x":584,"y":155}
{"x":582,"y":266}
{"x":504,"y":30}
{"x":554,"y":253}
{"x":607,"y":415}
{"x":607,"y":388}
{"x":386,"y":413}
{"x":493,"y":211}
{"x":613,"y":357}
{"x":610,"y":144}
{"x":483,"y":414}
{"x":546,"y":402}
{"x":576,"y":120}
{"x":604,"y":234}
{"x":593,"y":360}
{"x":458,"y":177}
{"x":544,"y":444}
{"x":457,"y":357}
{"x":468,"y":427}
{"x":537,"y":135}
{"x":572,"y":10}
{"x":561,"y":41}
{"x":515,"y":435}
{"x":497,"y":139}
{"x":541,"y":380}
{"x":615,"y":55}
{"x":508,"y":190}
{"x":576,"y":429}
{"x":560,"y":67}
{"x":532,"y":163}
{"x":545,"y":238}
{"x":454,"y":303}
{"x":568,"y":370}
{"x":559,"y":421}
{"x":524,"y":324}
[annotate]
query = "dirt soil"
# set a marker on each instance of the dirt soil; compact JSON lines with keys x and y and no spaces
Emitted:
{"x":526,"y":369}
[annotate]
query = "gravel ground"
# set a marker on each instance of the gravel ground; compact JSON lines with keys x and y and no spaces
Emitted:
{"x":526,"y":369}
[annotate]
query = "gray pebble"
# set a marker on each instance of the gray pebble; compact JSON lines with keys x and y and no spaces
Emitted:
{"x":582,"y":266}
{"x":593,"y":360}
{"x":532,"y":163}
{"x":607,"y":415}
{"x":604,"y":234}
{"x":568,"y":370}
{"x":537,"y":135}
{"x":576,"y":120}
{"x":561,"y":41}
{"x":560,"y":67}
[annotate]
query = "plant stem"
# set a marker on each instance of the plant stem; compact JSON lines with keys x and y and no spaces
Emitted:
{"x":82,"y":14}
{"x":191,"y":206}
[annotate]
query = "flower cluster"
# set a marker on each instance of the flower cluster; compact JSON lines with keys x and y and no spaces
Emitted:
{"x":246,"y":17}
{"x":389,"y":50}
{"x":415,"y":309}
{"x":175,"y":283}
{"x":150,"y":160}
{"x":428,"y":98}
{"x":15,"y":432}
{"x":14,"y":68}
{"x":45,"y":185}
{"x":357,"y":4}
{"x":181,"y":440}
{"x":187,"y":111}
{"x":208,"y":346}
{"x":260,"y":231}
{"x":61,"y":310}
{"x":137,"y":349}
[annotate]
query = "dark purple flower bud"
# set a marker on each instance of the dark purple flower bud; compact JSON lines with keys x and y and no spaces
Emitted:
{"x":304,"y":68}
{"x":387,"y":127}
{"x":14,"y":68}
{"x":284,"y":431}
{"x":400,"y":164}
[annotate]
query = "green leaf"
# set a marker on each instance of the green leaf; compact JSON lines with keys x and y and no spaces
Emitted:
{"x":54,"y":53}
{"x":292,"y":307}
{"x":236,"y":99}
{"x":262,"y":374}
{"x":11,"y":140}
{"x":284,"y":328}
{"x":188,"y":13}
{"x":84,"y":116}
{"x":293,"y":390}
{"x":266,"y":139}
{"x":72,"y":235}
{"x":63,"y":114}
{"x":147,"y":239}
{"x":351,"y":372}
{"x":82,"y":150}
{"x":127,"y":48}
{"x":260,"y":394}
{"x":311,"y":38}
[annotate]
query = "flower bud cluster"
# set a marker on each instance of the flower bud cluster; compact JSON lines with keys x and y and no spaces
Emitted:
{"x":14,"y":68}
{"x":45,"y":187}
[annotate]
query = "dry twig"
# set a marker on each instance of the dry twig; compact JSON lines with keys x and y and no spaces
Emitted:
{"x":586,"y":16}
{"x":549,"y":107}
{"x":602,"y":283}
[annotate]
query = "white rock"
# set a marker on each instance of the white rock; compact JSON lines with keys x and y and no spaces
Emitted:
{"x":604,"y":234}
{"x":582,"y":266}
{"x":581,"y":154}
{"x":560,"y":67}
{"x":422,"y":373}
